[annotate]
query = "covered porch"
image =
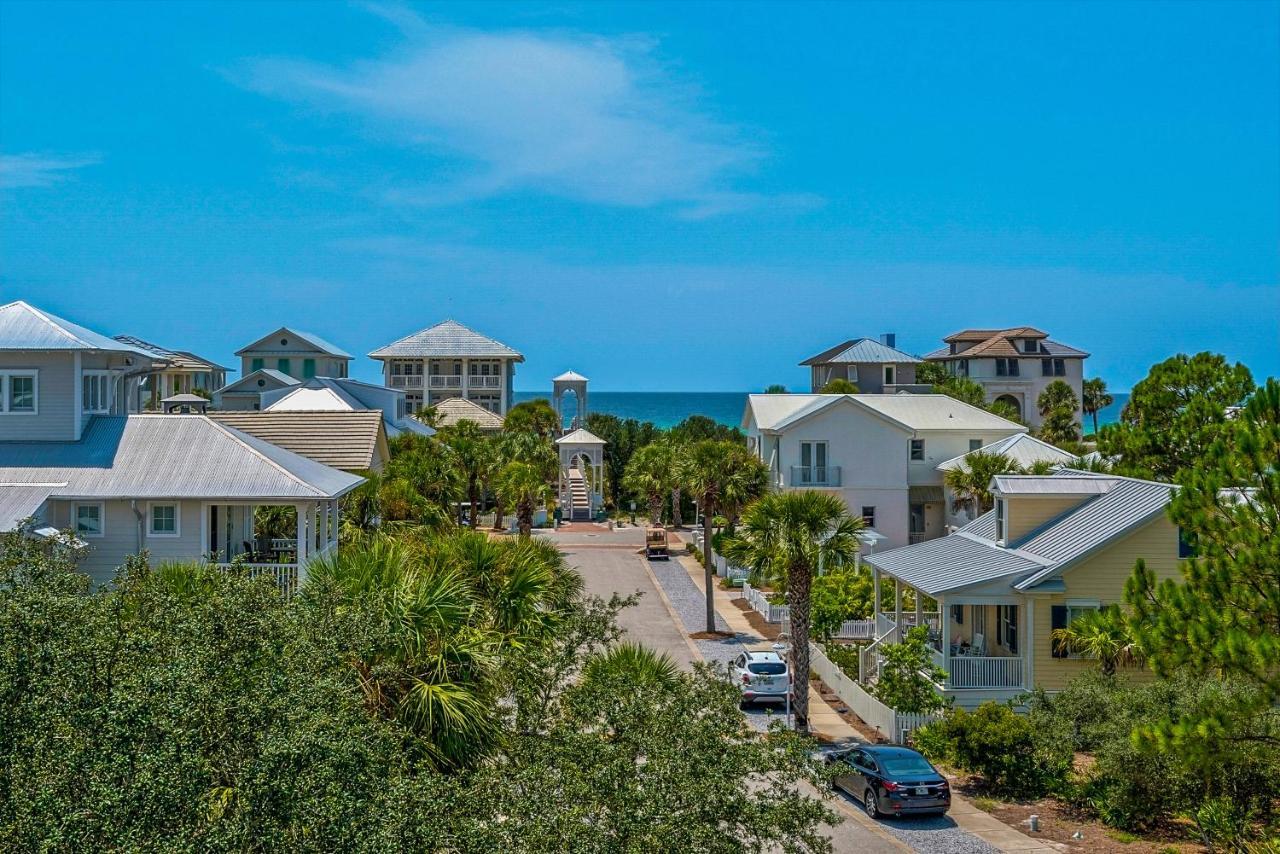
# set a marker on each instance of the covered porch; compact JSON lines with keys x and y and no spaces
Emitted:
{"x":274,"y":540}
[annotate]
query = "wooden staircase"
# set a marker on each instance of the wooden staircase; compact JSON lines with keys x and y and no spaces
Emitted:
{"x":579,"y":497}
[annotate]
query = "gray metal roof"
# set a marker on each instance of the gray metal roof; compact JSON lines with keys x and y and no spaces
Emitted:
{"x":948,"y":563}
{"x":25,"y":327}
{"x":861,"y":350}
{"x":251,"y":387}
{"x":20,"y":501}
{"x":445,"y":339}
{"x":1055,"y":484}
{"x":317,"y":343}
{"x":1022,"y":448}
{"x":169,"y":456}
{"x":180,"y":359}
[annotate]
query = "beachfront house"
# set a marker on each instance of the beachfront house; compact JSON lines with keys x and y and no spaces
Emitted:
{"x":178,"y":372}
{"x":1055,"y":547}
{"x":448,"y":361}
{"x":874,"y":366}
{"x":1013,"y":365}
{"x":182,"y":487}
{"x":296,"y":354}
{"x":326,"y":394}
{"x":878,"y":452}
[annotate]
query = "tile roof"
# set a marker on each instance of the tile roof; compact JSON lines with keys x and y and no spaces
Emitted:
{"x":990,"y":343}
{"x":25,"y":327}
{"x":861,"y":350}
{"x":1022,"y":448}
{"x":910,"y":411}
{"x":454,"y":409}
{"x":447,"y":338}
{"x":317,"y":343}
{"x":170,"y":456}
{"x":985,"y":334}
{"x":343,"y":440}
{"x":179,"y":359}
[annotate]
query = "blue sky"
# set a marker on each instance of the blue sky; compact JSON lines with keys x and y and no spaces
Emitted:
{"x":660,"y":196}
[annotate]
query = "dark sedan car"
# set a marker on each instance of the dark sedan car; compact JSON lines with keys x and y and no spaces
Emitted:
{"x":891,"y":780}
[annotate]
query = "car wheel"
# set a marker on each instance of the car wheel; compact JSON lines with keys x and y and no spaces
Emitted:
{"x":869,"y":804}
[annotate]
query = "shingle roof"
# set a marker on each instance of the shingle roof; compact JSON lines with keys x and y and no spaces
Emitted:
{"x":21,"y":501}
{"x":317,"y":343}
{"x":999,"y":342}
{"x":170,"y":456}
{"x":343,"y":440}
{"x":1023,"y":449}
{"x":180,"y":359}
{"x":580,"y":437}
{"x":910,"y":411}
{"x":25,"y":327}
{"x":454,"y":409}
{"x":861,"y":350}
{"x":249,"y":381}
{"x":447,"y":338}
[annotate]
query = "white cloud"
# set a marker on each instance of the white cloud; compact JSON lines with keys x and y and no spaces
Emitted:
{"x":40,"y":170}
{"x":584,"y":117}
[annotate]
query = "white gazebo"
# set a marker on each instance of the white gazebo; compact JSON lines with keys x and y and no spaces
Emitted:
{"x":581,"y":491}
{"x":576,"y":383}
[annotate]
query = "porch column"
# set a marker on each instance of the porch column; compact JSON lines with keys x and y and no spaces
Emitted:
{"x":944,"y":617}
{"x":897,"y":606}
{"x":302,"y":534}
{"x":337,"y":522}
{"x":875,"y":595}
{"x":1026,"y":625}
{"x":919,"y":608}
{"x":317,"y":530}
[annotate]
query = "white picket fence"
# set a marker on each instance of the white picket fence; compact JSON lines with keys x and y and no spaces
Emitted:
{"x":893,"y":725}
{"x":758,"y":601}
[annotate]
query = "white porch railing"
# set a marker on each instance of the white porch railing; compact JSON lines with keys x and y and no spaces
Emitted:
{"x":972,"y":671}
{"x":484,"y":381}
{"x":889,"y":722}
{"x":444,"y":381}
{"x":406,"y":381}
{"x":757,"y":600}
{"x":285,"y":575}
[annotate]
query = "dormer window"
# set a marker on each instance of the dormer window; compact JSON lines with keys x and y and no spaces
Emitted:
{"x":1030,"y":345}
{"x":1001,"y":520}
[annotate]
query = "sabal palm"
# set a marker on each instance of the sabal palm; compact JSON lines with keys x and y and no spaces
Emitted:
{"x":648,"y":474}
{"x":970,"y":482}
{"x":1096,"y":398}
{"x":1057,"y":396}
{"x":724,"y":476}
{"x":793,"y":533}
{"x":422,"y":658}
{"x":1103,"y":635}
{"x":470,"y":449}
{"x":524,"y":487}
{"x":637,"y":666}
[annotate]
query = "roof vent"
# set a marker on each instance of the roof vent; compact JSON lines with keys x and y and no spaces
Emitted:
{"x":889,"y":339}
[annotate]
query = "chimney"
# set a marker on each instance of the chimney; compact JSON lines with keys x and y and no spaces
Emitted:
{"x":889,"y":339}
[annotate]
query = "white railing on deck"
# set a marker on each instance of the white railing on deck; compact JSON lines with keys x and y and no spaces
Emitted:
{"x":892,"y":724}
{"x":285,"y":575}
{"x":972,"y":671}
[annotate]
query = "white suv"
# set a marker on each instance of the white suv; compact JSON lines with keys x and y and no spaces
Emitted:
{"x":762,"y":675}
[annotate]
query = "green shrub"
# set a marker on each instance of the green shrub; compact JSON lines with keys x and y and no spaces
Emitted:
{"x":839,"y":595}
{"x":998,"y":744}
{"x":907,"y":676}
{"x":844,"y":656}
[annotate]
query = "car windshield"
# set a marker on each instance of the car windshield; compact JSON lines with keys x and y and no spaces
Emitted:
{"x":900,"y":765}
{"x":767,"y":668}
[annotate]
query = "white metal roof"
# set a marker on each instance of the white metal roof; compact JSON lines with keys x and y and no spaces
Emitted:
{"x":1023,"y":449}
{"x":308,"y":398}
{"x":580,"y":437}
{"x":317,"y":343}
{"x":570,"y":376}
{"x":250,"y":382}
{"x":20,"y":501}
{"x":169,"y":456}
{"x":445,"y":339}
{"x":25,"y":327}
{"x":1052,"y":485}
{"x":915,"y":412}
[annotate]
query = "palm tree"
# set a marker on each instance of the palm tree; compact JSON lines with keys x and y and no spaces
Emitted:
{"x":724,"y":476}
{"x":470,"y":452}
{"x":519,"y":446}
{"x":1005,"y":410}
{"x":523,"y":486}
{"x":648,"y":475}
{"x":678,"y":450}
{"x":776,"y":388}
{"x":839,"y":386}
{"x":636,"y":666}
{"x":533,"y":416}
{"x":969,"y":482}
{"x":1103,"y":635}
{"x":793,"y":533}
{"x":1096,"y":398}
{"x":1057,"y":405}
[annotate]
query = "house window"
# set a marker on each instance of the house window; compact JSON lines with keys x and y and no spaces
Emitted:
{"x":813,"y":462}
{"x":959,"y":368}
{"x":1007,"y":367}
{"x":974,"y":444}
{"x":163,"y":521}
{"x":18,"y":392}
{"x":1030,"y":345}
{"x":1062,"y":616}
{"x":88,"y":520}
{"x":1007,"y":628}
{"x":95,"y":392}
{"x":869,"y":517}
{"x":308,"y":368}
{"x":1000,"y":520}
{"x":1053,"y":367}
{"x":255,"y":364}
{"x":283,"y":366}
{"x":917,"y":449}
{"x":1186,"y":543}
{"x":888,"y":375}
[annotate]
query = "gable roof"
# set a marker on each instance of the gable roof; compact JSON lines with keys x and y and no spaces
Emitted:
{"x":180,"y":359}
{"x":911,"y":412}
{"x":569,"y":376}
{"x":25,"y":327}
{"x":170,"y":456}
{"x":250,"y":382}
{"x":20,"y":501}
{"x":317,"y":343}
{"x":352,"y":441}
{"x":1040,"y":554}
{"x":999,"y":342}
{"x":316,"y":397}
{"x":1022,"y":449}
{"x":447,"y":338}
{"x":861,"y":350}
{"x":580,"y":437}
{"x":454,"y":409}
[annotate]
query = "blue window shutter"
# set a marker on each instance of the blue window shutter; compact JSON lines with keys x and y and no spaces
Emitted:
{"x":283,"y":366}
{"x":255,"y":365}
{"x":308,"y":368}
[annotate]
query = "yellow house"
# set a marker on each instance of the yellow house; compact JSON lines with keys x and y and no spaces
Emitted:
{"x":1054,"y":547}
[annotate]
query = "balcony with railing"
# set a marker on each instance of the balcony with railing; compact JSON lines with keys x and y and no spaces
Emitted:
{"x":815,"y":476}
{"x":484,"y":381}
{"x":406,"y":380}
{"x":444,"y":381}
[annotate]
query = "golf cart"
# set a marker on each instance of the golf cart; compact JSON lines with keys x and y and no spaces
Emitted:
{"x":655,"y":544}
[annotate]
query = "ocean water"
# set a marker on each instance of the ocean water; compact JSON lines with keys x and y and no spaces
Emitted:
{"x":669,"y":408}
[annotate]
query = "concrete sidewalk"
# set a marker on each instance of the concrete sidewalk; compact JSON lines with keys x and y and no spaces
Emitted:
{"x":827,"y":725}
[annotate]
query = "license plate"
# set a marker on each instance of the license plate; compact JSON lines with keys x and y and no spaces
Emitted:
{"x":922,"y":790}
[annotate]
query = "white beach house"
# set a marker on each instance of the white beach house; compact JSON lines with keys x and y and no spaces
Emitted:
{"x":449,"y":360}
{"x":878,"y":452}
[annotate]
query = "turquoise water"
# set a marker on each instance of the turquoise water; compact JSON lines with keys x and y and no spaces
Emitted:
{"x":669,"y":408}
